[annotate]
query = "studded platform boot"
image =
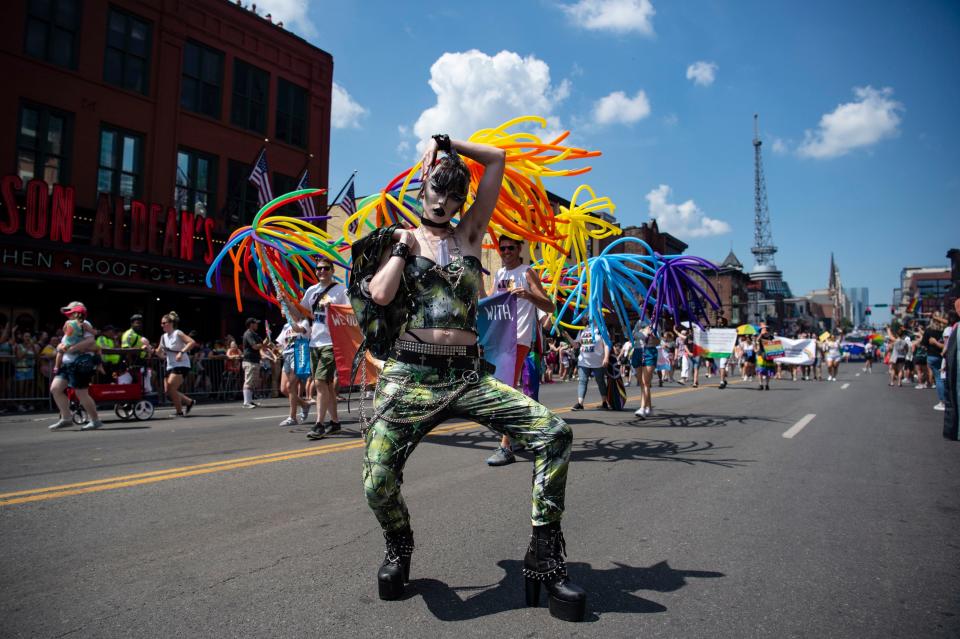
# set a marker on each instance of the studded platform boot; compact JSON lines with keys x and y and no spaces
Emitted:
{"x":544,"y":565}
{"x":395,"y":570}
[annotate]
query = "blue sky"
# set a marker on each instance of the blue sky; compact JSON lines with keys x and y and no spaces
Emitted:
{"x":858,"y":112}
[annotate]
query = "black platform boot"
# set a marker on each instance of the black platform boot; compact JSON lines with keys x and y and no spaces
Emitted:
{"x":395,"y":571}
{"x":544,"y":565}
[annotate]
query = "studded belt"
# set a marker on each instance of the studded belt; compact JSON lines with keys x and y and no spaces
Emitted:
{"x":442,"y":356}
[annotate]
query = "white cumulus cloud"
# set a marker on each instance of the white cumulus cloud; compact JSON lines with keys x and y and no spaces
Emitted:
{"x":874,"y":115}
{"x":475,"y":90}
{"x":294,"y":14}
{"x":684,"y":220}
{"x":619,"y":16}
{"x":345,"y":112}
{"x":617,"y":108}
{"x":702,"y":73}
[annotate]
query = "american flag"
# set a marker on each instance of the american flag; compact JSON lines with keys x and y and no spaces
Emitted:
{"x":306,"y":204}
{"x":261,"y":179}
{"x":349,"y":204}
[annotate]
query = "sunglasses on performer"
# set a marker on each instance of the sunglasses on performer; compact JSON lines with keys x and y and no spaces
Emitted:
{"x":324,"y":268}
{"x":509,"y":247}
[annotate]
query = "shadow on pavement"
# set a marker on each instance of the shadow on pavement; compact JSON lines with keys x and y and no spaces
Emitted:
{"x":613,"y":450}
{"x":608,"y":590}
{"x":607,"y":450}
{"x":695,"y":420}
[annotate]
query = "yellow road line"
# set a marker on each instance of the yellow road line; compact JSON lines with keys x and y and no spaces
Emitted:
{"x":139,"y":479}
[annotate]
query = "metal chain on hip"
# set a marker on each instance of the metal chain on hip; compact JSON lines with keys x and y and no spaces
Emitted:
{"x":405,"y":385}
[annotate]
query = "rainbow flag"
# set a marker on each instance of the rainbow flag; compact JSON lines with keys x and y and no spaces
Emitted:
{"x":913,"y":305}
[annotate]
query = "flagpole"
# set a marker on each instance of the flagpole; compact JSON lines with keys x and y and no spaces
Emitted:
{"x":345,"y":185}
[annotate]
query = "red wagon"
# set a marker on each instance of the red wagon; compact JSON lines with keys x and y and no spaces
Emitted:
{"x":129,"y":402}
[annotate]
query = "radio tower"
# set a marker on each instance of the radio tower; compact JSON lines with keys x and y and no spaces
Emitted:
{"x":763,"y":248}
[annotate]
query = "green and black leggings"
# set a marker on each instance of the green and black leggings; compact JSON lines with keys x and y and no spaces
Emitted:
{"x":407,"y":391}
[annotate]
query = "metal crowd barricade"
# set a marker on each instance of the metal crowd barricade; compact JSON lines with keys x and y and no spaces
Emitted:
{"x":210,"y":379}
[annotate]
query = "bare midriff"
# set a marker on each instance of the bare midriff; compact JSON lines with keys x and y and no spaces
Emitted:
{"x":446,"y":336}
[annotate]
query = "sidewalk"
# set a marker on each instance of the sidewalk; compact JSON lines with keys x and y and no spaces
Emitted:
{"x":162,"y":411}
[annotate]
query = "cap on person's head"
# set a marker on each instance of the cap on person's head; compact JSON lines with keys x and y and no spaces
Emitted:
{"x":136,"y":317}
{"x":252,"y":320}
{"x":109,"y":327}
{"x":74,"y":307}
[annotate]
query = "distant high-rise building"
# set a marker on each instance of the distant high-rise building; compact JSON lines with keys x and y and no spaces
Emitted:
{"x":859,"y":301}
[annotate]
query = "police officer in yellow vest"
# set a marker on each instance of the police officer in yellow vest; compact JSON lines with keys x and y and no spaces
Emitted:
{"x":132,"y":336}
{"x":108,"y":339}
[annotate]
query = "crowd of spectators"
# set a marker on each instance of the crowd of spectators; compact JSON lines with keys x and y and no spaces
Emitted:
{"x":27,"y":362}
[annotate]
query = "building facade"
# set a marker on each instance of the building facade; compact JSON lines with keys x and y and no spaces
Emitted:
{"x":132,"y":128}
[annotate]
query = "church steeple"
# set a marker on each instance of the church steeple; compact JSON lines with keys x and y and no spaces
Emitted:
{"x":833,"y":282}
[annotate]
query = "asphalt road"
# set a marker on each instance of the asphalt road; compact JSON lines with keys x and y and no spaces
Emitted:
{"x":703,"y":521}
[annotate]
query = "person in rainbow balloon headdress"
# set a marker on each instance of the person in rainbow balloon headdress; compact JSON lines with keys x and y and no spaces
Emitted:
{"x":435,"y":372}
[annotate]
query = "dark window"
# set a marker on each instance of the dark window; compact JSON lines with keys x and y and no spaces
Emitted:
{"x":52,"y":31}
{"x":43,"y":144}
{"x":126,"y":61}
{"x":202,"y":79}
{"x":196,"y":188}
{"x":284,"y":184}
{"x":241,"y":194}
{"x":291,"y":113}
{"x":250,"y":86}
{"x":121,"y":163}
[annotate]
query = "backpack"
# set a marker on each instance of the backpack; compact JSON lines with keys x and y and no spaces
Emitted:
{"x":379,"y":325}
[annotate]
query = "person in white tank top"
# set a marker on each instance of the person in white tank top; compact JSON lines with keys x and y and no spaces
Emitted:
{"x":175,"y":346}
{"x":519,"y":279}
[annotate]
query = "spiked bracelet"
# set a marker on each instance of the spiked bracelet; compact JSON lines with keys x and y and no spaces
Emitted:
{"x":400,"y":250}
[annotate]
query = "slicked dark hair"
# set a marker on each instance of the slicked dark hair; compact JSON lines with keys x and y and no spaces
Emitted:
{"x":451,"y":176}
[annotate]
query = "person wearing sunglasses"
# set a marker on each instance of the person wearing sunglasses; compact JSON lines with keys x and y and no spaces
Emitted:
{"x":521,"y":281}
{"x":435,"y":371}
{"x":322,"y":365}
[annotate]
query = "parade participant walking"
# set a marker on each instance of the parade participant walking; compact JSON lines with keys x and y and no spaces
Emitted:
{"x":869,"y":354}
{"x":318,"y":297}
{"x":522,"y":282}
{"x":748,"y":348}
{"x":723,"y":363}
{"x":832,"y":346}
{"x":951,"y":356}
{"x":933,"y":339}
{"x":74,"y":367}
{"x":175,"y":346}
{"x":899,"y":351}
{"x":252,"y":344}
{"x":766,"y":367}
{"x":299,"y":407}
{"x":645,"y":355}
{"x":594,"y":356}
{"x":435,"y":372}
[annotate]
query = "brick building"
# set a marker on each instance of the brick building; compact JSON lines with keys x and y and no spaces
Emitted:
{"x":131,"y":128}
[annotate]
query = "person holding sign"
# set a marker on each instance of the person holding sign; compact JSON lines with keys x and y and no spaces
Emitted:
{"x":291,"y":383}
{"x":318,"y":297}
{"x":766,"y":366}
{"x":522,"y":282}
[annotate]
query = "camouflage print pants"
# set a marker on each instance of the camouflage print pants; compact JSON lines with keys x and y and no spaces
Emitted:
{"x":485,"y":401}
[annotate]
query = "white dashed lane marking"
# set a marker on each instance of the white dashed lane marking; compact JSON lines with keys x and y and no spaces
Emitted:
{"x":796,"y":428}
